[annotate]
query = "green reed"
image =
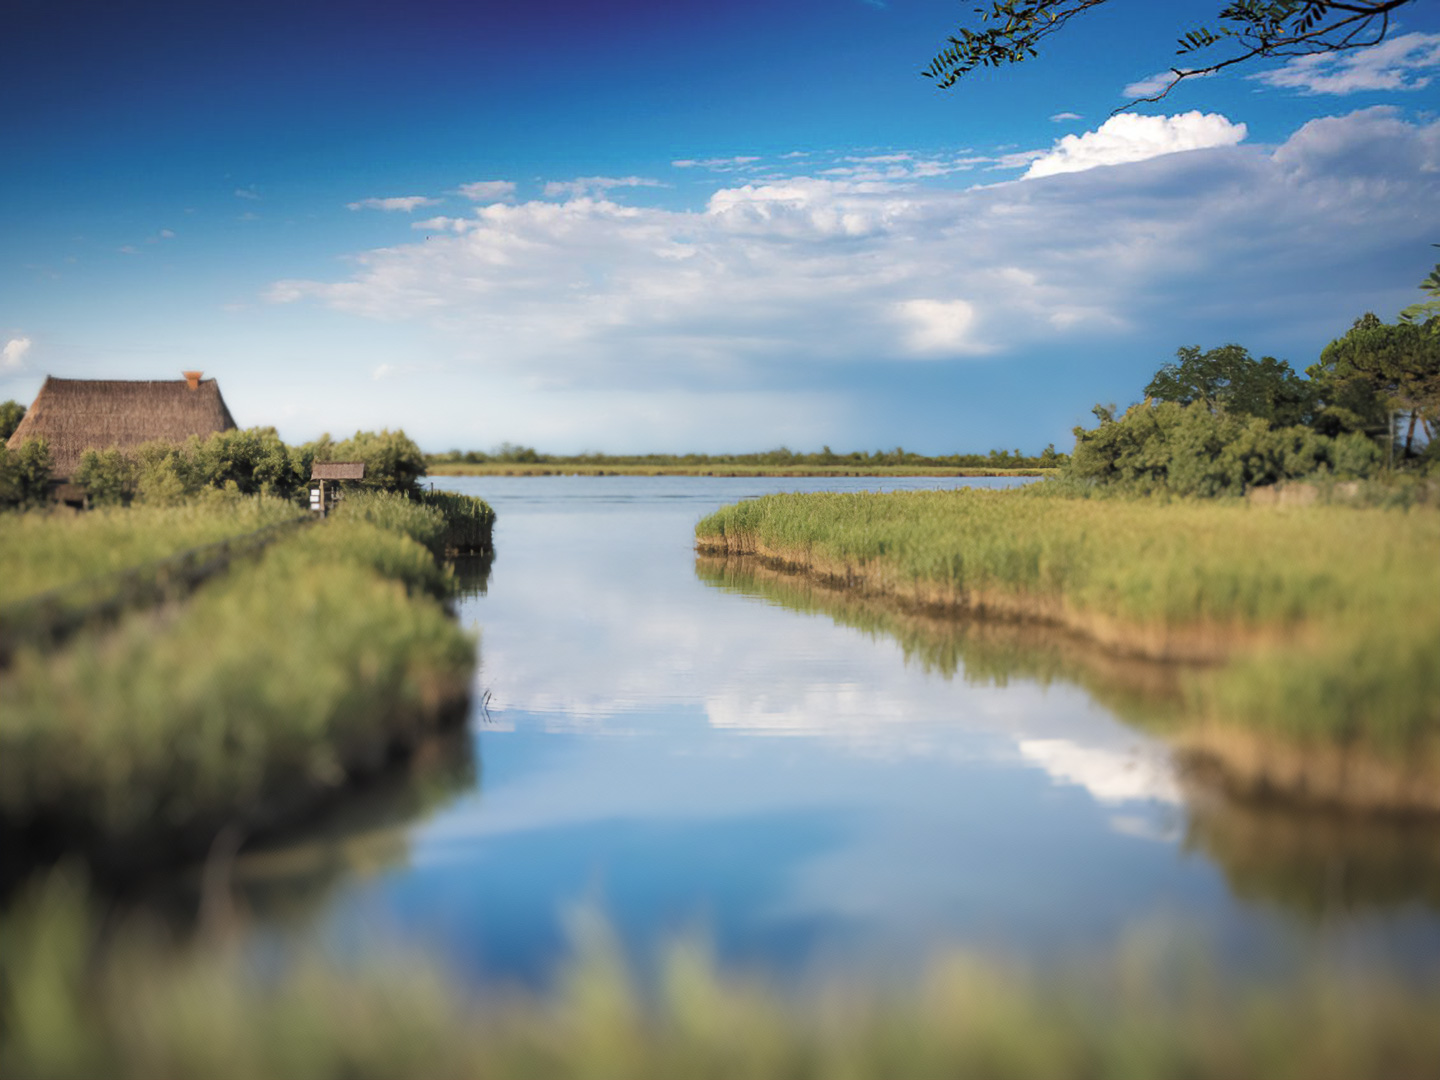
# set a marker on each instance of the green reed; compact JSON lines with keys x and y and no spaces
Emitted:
{"x":268,"y":687}
{"x":1349,"y":587}
{"x":43,"y":550}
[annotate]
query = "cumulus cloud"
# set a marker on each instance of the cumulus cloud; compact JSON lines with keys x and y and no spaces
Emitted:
{"x":1407,"y":62}
{"x":938,"y":327}
{"x":1127,"y":138}
{"x":585,"y":185}
{"x":407,"y":204}
{"x":769,"y":284}
{"x":12,"y":356}
{"x":487,"y":190}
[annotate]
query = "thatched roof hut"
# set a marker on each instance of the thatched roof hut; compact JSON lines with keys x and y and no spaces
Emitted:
{"x":75,"y":415}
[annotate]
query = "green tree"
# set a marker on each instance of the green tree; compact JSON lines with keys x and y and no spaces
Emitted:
{"x":1424,"y":309}
{"x":109,"y":477}
{"x":1189,"y":450}
{"x":25,"y":475}
{"x":11,"y":413}
{"x":1229,"y":379}
{"x":1010,"y":31}
{"x":392,"y":460}
{"x":1378,"y":368}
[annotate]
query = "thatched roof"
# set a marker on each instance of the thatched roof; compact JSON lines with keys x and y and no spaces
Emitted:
{"x":75,"y":415}
{"x":338,"y":470}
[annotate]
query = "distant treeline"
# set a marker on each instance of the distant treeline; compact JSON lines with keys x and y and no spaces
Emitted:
{"x":510,"y":454}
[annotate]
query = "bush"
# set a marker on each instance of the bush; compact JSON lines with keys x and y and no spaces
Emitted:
{"x":25,"y":475}
{"x":1189,"y":450}
{"x":393,"y":462}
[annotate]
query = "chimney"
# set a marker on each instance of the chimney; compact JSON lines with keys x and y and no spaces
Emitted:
{"x":192,"y":379}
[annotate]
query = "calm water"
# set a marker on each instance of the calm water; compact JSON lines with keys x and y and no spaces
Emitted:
{"x":683,"y":751}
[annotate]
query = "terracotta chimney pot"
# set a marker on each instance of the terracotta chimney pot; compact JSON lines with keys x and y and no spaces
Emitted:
{"x":192,"y":379}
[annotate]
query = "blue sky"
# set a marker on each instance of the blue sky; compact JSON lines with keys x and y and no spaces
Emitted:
{"x":672,"y":226}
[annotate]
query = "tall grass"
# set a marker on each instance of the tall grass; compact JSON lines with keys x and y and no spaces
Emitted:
{"x":134,"y":1008}
{"x":268,"y":688}
{"x":446,"y":523}
{"x":45,"y":550}
{"x":1323,"y":611}
{"x":1143,"y":560}
{"x":469,"y":522}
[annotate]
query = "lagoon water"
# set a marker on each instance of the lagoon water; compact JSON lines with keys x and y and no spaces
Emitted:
{"x":689,"y":751}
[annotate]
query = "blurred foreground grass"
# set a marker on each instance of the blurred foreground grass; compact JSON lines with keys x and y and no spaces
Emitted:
{"x":136,"y":1006}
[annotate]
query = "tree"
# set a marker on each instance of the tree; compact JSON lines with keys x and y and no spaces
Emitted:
{"x":1011,"y":31}
{"x":25,"y":475}
{"x":1228,"y":379}
{"x":1424,"y":309}
{"x":11,"y":413}
{"x":1378,"y":368}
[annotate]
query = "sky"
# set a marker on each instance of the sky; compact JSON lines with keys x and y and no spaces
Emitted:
{"x":679,"y":226}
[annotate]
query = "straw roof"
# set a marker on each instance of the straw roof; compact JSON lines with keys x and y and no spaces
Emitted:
{"x":75,"y":415}
{"x":338,"y":470}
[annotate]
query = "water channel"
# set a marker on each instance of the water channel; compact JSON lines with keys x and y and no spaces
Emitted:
{"x":690,"y":747}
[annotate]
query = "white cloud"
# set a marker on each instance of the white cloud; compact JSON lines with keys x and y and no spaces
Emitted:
{"x":382,"y":371}
{"x":717,"y":164}
{"x":12,"y":356}
{"x":586,"y":185}
{"x":167,"y":234}
{"x":938,"y":327}
{"x":246,"y":193}
{"x":407,"y":204}
{"x":1127,"y":138}
{"x":1062,"y":116}
{"x":1161,"y":80}
{"x":129,"y":249}
{"x":1109,"y":776}
{"x":773,"y":285}
{"x":487,"y":190}
{"x":1407,"y":62}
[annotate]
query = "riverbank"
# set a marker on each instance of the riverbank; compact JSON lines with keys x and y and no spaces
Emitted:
{"x":1319,"y":647}
{"x":512,"y":469}
{"x":242,"y":708}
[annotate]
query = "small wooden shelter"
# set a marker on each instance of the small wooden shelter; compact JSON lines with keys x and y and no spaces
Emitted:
{"x":75,"y":415}
{"x":328,"y":480}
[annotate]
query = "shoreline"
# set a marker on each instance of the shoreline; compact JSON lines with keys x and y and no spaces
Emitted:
{"x":1254,"y":767}
{"x":724,"y":471}
{"x":1197,"y":643}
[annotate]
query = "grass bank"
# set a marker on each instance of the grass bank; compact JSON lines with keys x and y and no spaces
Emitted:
{"x":500,"y":468}
{"x":130,"y":1007}
{"x":43,"y":550}
{"x":245,"y":706}
{"x":1329,"y":658}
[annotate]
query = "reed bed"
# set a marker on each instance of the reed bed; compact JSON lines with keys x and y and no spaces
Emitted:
{"x":1321,"y":611}
{"x":469,"y":522}
{"x":40,"y":551}
{"x":446,"y":523}
{"x":269,"y":688}
{"x":133,"y":1007}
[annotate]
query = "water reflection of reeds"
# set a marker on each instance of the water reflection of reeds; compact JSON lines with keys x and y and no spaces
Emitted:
{"x":1310,"y":860}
